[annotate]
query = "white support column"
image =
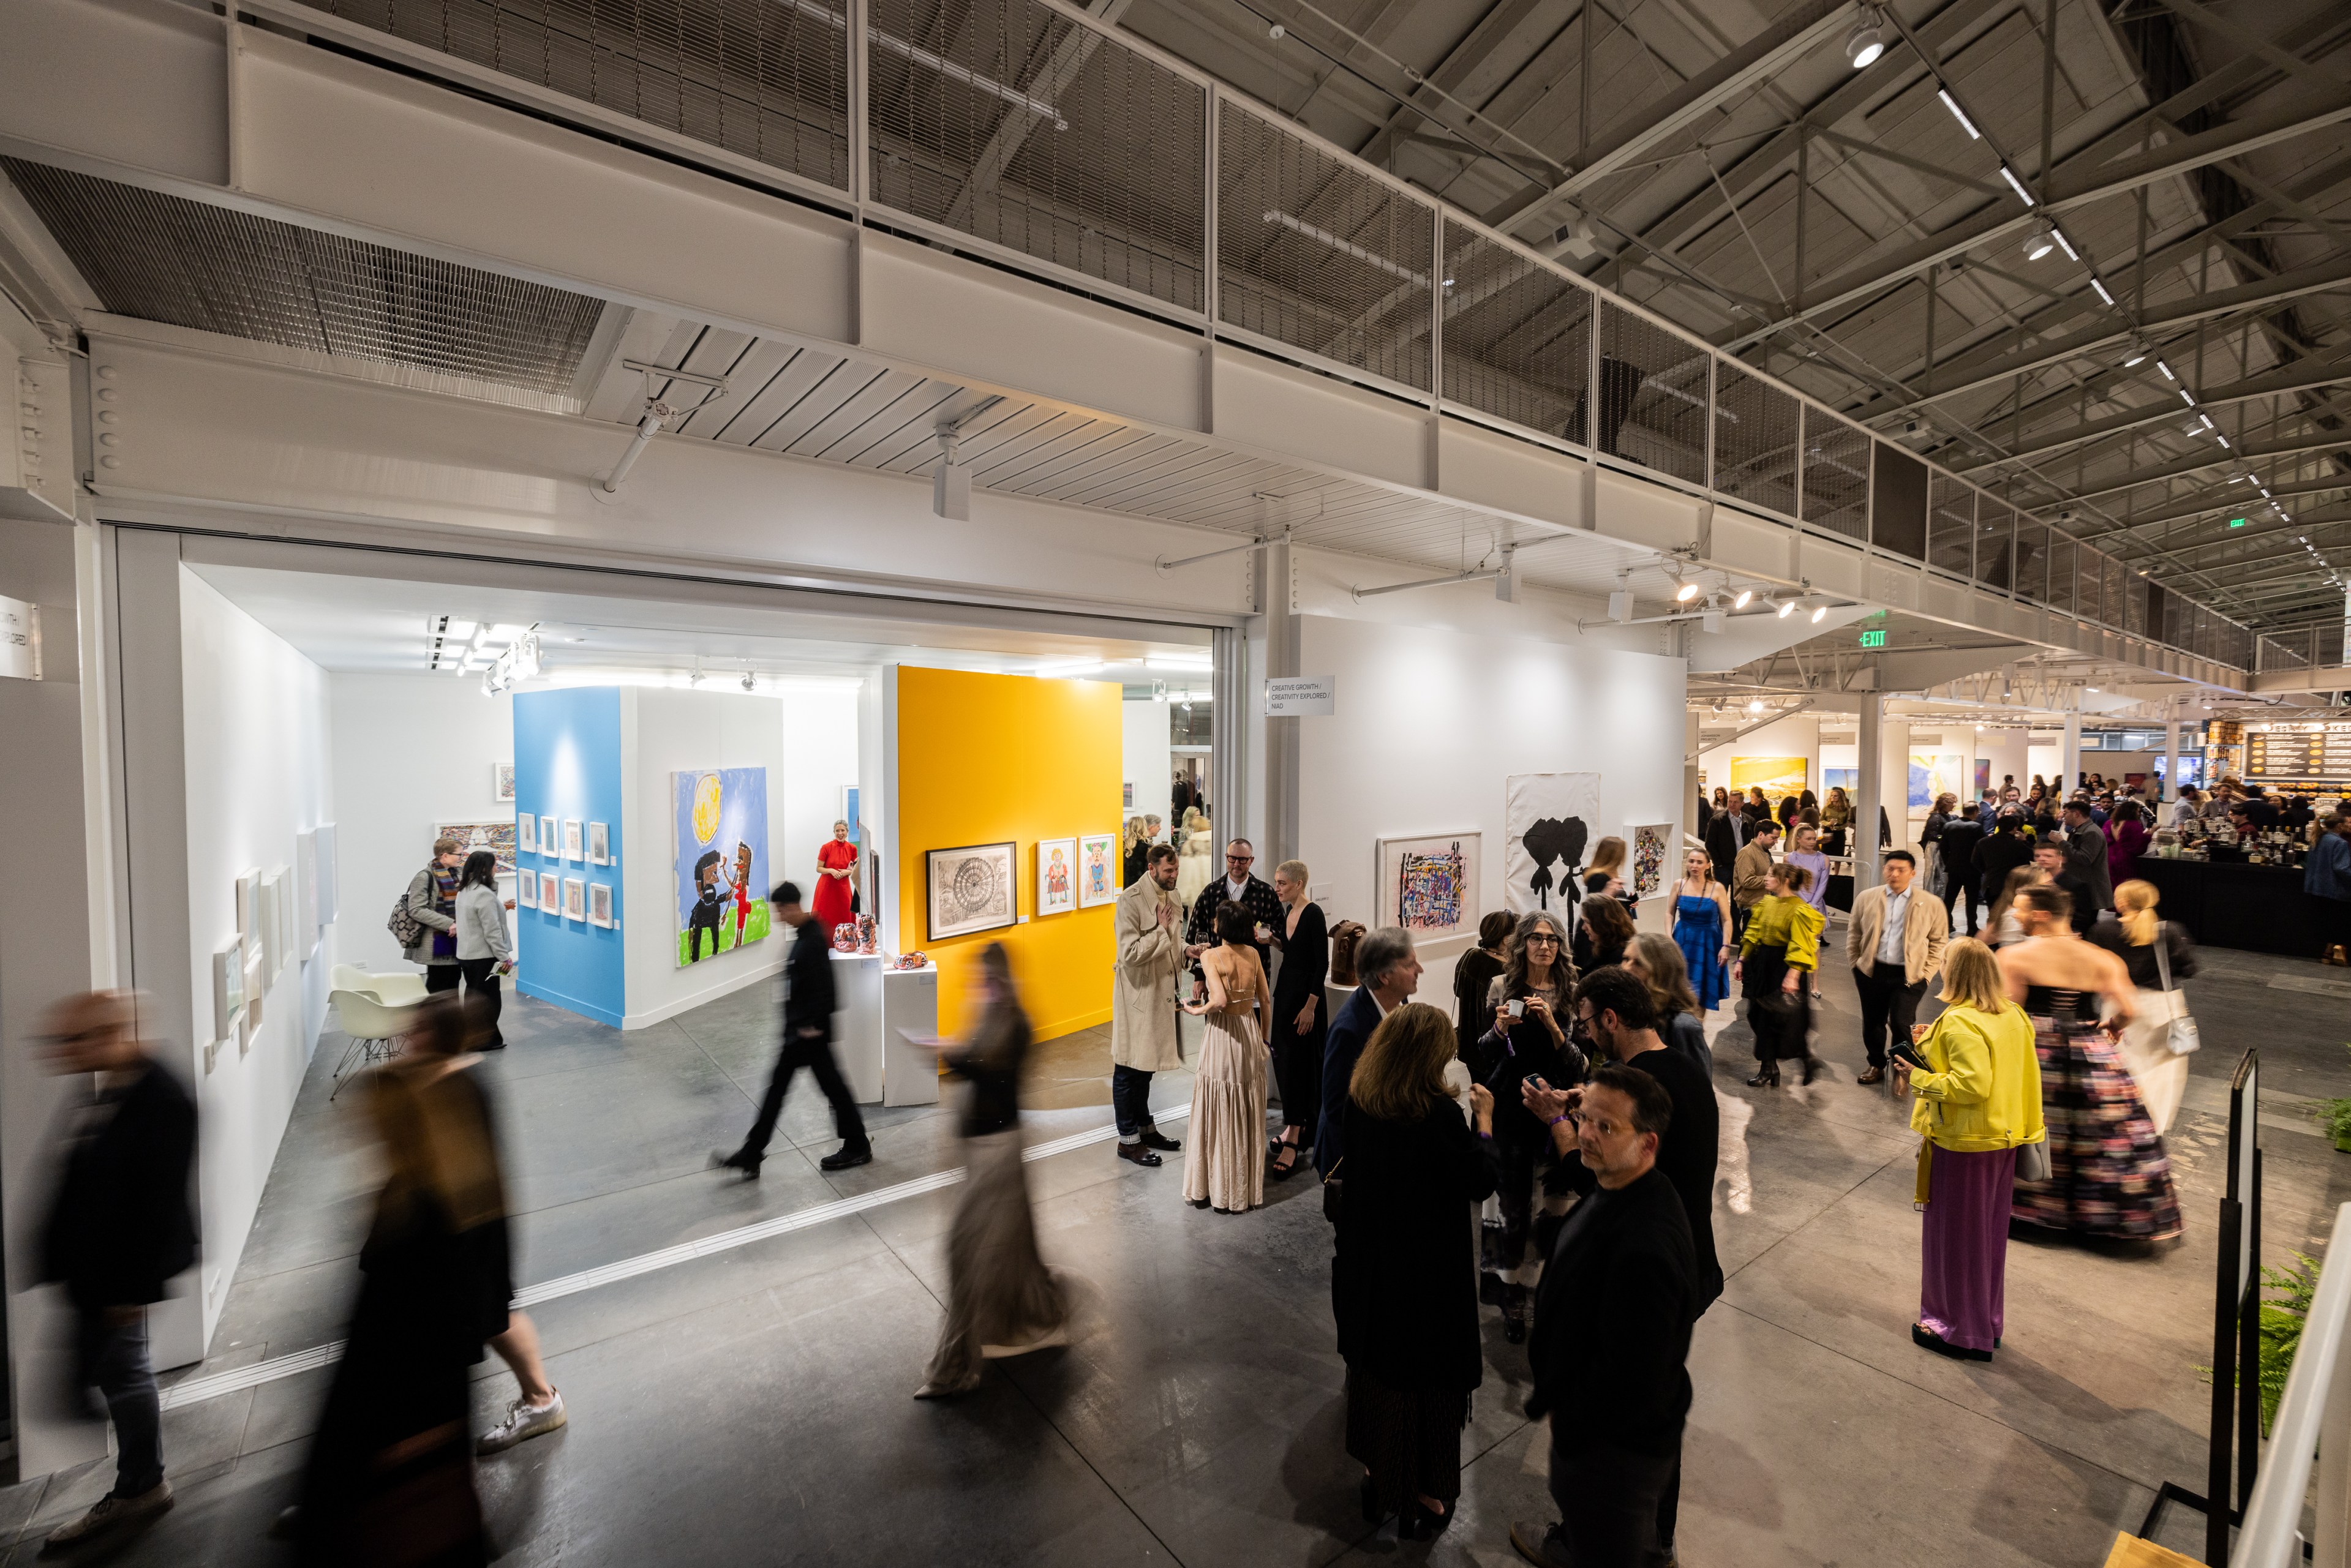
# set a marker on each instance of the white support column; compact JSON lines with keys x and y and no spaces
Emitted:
{"x":2069,"y":758}
{"x":2170,"y":789}
{"x":1872,"y":795}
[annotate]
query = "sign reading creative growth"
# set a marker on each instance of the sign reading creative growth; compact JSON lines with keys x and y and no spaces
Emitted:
{"x":1287,"y":696}
{"x":719,"y":829}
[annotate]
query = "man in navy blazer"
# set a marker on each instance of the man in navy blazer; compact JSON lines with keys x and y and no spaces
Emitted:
{"x":1390,"y":971}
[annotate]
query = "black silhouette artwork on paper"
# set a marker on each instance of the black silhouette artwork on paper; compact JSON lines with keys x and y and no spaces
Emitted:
{"x":1559,"y":839}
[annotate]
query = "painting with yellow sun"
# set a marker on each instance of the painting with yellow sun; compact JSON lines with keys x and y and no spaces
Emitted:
{"x":720,"y":844}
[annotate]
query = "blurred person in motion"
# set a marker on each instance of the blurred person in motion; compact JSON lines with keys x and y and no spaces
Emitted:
{"x":1001,"y":1299}
{"x":120,"y":1227}
{"x":1779,"y":949}
{"x":1656,"y":962}
{"x":809,"y":1004}
{"x":1804,"y":850}
{"x":2158,"y":954}
{"x":1403,"y":1287}
{"x":1603,"y":930}
{"x":391,"y":1477}
{"x":485,"y":950}
{"x":1224,"y":1158}
{"x":1143,"y":1039}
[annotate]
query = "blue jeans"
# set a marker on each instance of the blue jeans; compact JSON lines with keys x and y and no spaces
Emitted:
{"x":1130,"y":1103}
{"x":112,"y":1358}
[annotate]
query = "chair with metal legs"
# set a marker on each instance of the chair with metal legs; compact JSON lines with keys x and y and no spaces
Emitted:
{"x":374,"y":1030}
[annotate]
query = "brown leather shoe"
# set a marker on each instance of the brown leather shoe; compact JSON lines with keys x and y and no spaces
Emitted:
{"x":1137,"y":1154}
{"x":1875,"y":1075}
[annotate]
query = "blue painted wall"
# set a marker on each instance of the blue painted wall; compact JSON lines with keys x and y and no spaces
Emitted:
{"x":567,"y":764}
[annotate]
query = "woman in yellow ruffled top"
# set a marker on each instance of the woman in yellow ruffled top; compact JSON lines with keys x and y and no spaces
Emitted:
{"x":1779,"y":950}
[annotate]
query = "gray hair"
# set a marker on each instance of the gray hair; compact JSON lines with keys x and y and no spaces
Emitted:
{"x":1381,"y":951}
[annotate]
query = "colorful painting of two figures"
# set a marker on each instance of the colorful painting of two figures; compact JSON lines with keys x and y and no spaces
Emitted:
{"x":720,"y":833}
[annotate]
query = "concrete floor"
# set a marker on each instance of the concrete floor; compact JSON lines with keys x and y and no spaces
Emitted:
{"x":751,"y":1406}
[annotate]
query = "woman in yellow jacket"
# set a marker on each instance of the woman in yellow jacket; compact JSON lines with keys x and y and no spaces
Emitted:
{"x":1979,"y":1086}
{"x":1778,"y":951}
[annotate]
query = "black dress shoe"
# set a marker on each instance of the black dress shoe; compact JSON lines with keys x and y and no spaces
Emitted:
{"x":747,"y":1168}
{"x":1925,"y":1340}
{"x":855,"y":1154}
{"x":1152,"y":1138}
{"x":1137,"y":1155}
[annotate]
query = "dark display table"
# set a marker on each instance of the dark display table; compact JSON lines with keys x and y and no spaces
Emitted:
{"x":2260,"y":908}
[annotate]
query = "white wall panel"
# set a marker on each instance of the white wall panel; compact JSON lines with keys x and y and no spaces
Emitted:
{"x":1325,"y":421}
{"x":135,"y":81}
{"x":821,"y":745}
{"x":1646,"y":514}
{"x":1491,"y":469}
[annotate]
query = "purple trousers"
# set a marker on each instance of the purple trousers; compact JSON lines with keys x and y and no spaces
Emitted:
{"x":1963,"y":1256}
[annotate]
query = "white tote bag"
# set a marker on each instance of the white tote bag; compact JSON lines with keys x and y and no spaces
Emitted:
{"x":2180,"y":1035}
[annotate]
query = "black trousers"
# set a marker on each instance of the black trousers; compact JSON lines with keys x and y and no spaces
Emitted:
{"x":1970,"y":895}
{"x":1609,"y":1503}
{"x":815,"y":1053}
{"x":441,"y":975}
{"x":1888,"y":1000}
{"x":482,"y":981}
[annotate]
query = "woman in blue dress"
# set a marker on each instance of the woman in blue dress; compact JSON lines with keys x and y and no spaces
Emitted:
{"x":1702,"y":928}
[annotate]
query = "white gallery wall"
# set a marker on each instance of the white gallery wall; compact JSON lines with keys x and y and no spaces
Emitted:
{"x":664,"y":732}
{"x":409,"y":751}
{"x":1430,"y":722}
{"x":258,"y":772}
{"x":819,"y":736}
{"x":1146,"y":763}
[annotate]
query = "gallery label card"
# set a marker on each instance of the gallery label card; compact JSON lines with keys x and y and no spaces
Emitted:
{"x":1292,"y":695}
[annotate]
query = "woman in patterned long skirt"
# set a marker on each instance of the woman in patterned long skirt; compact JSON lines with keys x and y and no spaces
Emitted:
{"x":1224,"y":1155}
{"x":2109,"y":1175}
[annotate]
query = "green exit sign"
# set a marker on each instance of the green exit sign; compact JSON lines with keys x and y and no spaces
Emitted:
{"x":2236,"y":522}
{"x":1874,"y":638}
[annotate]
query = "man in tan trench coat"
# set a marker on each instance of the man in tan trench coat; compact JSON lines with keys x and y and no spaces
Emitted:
{"x":1149,"y":923}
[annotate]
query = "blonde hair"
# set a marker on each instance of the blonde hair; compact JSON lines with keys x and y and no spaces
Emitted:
{"x":2135,"y":903}
{"x":1971,"y":977}
{"x":2019,"y":879}
{"x":1402,"y":1070}
{"x":1193,"y":820}
{"x":1294,"y":870}
{"x":1608,"y":856}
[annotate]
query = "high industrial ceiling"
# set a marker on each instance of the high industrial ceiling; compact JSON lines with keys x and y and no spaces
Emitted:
{"x":1864,"y":233}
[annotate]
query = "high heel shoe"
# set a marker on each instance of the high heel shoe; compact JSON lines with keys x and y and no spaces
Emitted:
{"x":1811,"y":1068}
{"x":1767,"y":1076}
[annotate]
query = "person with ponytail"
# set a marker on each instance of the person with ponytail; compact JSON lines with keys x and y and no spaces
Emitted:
{"x":2132,"y":936}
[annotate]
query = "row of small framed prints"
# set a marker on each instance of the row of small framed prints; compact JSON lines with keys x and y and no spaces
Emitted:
{"x":571,"y":897}
{"x":569,"y":840}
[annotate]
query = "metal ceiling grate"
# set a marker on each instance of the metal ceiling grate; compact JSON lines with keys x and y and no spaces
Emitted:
{"x":1009,"y":122}
{"x":1836,"y":477}
{"x":1995,"y":542}
{"x":1754,"y":441}
{"x":1517,"y":337}
{"x":1950,"y":525}
{"x":1320,"y":256}
{"x":2032,"y":574}
{"x":165,"y":258}
{"x":1654,"y":392}
{"x":2061,"y":573}
{"x":768,"y":81}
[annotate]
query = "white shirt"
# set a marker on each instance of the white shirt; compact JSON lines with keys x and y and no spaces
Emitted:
{"x":1897,"y":910}
{"x":1233,"y":890}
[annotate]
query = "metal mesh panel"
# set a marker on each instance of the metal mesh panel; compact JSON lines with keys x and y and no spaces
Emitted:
{"x":1754,"y":440}
{"x":1995,"y":543}
{"x":1008,"y":121}
{"x":1836,"y":476}
{"x":1950,"y":525}
{"x":2328,"y":640}
{"x":1653,"y":405}
{"x":1517,"y":337}
{"x":2094,"y":567}
{"x":2060,"y":572}
{"x":1320,"y":255}
{"x":765,"y":78}
{"x":165,"y":258}
{"x":2032,"y":560}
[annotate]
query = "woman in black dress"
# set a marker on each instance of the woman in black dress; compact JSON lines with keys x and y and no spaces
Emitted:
{"x":1474,"y":974}
{"x":1533,"y":1010}
{"x":1603,"y":932}
{"x":1401,"y":1283}
{"x":1299,"y":1016}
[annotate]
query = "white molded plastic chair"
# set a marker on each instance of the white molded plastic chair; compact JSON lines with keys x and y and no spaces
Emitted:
{"x":393,"y":991}
{"x":374,"y":1029}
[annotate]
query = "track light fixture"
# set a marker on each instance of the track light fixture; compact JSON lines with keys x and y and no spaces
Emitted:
{"x":2039,"y":240}
{"x":1685,"y":594}
{"x":1754,"y":705}
{"x":1787,"y":608}
{"x":1745,"y":595}
{"x":1867,"y":42}
{"x":2138,"y":356}
{"x":1820,"y":612}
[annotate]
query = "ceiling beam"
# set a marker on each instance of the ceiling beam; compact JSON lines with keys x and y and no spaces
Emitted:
{"x":1012,"y":133}
{"x":2261,"y":537}
{"x":2213,"y":510}
{"x":1452,"y":74}
{"x":2246,"y":451}
{"x":2302,"y":377}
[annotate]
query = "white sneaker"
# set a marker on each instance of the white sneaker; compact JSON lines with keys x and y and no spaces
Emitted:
{"x":111,"y":1514}
{"x":524,"y":1421}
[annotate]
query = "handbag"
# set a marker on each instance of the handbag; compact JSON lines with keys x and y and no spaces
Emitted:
{"x":2180,"y":1036}
{"x":405,"y":928}
{"x":2032,"y":1161}
{"x":1334,"y":1192}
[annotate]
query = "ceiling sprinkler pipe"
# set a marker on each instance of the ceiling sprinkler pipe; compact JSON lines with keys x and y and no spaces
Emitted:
{"x":647,"y":428}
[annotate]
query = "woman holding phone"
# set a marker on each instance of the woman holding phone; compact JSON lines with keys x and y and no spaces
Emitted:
{"x":1531,"y":1001}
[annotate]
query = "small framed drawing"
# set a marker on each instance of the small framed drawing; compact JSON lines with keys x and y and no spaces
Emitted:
{"x":599,"y":844}
{"x":257,"y":984}
{"x":1098,"y":869}
{"x":1428,"y":886}
{"x":527,"y":834}
{"x":228,"y":989}
{"x":600,"y":905}
{"x":970,"y":889}
{"x":572,"y":842}
{"x":526,"y":890}
{"x":502,"y":781}
{"x":575,"y":899}
{"x":550,"y":840}
{"x":550,"y":892}
{"x":1649,"y":846}
{"x":248,"y":891}
{"x":1056,"y":876}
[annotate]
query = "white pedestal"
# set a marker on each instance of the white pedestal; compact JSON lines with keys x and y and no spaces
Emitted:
{"x":910,"y":1006}
{"x":857,"y":1024}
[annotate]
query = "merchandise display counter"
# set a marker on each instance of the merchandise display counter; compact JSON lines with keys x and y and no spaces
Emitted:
{"x":879,"y":1007}
{"x":2223,"y":904}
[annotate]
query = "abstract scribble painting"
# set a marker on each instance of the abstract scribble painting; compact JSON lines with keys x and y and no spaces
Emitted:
{"x":1428,"y":886}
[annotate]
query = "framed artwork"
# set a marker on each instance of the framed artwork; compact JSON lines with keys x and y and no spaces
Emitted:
{"x":228,"y":989}
{"x":574,"y":840}
{"x":266,"y":934}
{"x":1056,"y":876}
{"x":599,"y":844}
{"x":527,"y":834}
{"x":257,"y":984}
{"x":970,"y":889}
{"x":498,"y":838}
{"x":1650,"y":857}
{"x":526,"y":890}
{"x":550,"y":838}
{"x":1934,"y":773}
{"x":1846,"y":778}
{"x":575,"y":899}
{"x":720,"y":870}
{"x":249,"y":894}
{"x":1098,"y":869}
{"x":550,"y":891}
{"x":1777,"y":776}
{"x":502,"y":780}
{"x":1428,"y":886}
{"x":1546,"y":827}
{"x":600,"y":905}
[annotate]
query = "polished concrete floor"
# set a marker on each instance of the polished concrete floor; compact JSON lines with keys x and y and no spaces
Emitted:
{"x":751,"y":1405}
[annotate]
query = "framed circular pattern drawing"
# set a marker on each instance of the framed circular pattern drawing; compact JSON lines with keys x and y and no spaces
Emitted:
{"x":970,"y":889}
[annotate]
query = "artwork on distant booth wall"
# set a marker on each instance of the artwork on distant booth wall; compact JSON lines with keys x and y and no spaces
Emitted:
{"x":575,"y":841}
{"x":1652,"y":845}
{"x":498,"y":838}
{"x":228,"y":989}
{"x":1098,"y":869}
{"x":1546,"y":827}
{"x":550,"y":891}
{"x":1777,"y":776}
{"x":1934,"y":774}
{"x":575,"y":898}
{"x":599,"y":844}
{"x":970,"y":889}
{"x":527,"y":834}
{"x":1846,"y":778}
{"x":526,"y":890}
{"x":1056,"y":876}
{"x":502,"y":780}
{"x":718,"y":839}
{"x":550,"y":838}
{"x":1983,"y":775}
{"x":600,"y":905}
{"x":1428,"y":886}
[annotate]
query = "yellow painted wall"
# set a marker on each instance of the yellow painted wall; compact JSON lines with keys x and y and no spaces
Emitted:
{"x":984,"y":759}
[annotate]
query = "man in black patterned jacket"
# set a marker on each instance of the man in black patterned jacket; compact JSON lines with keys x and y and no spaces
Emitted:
{"x":1241,"y":888}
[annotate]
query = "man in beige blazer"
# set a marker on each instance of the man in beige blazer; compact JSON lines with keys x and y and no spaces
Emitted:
{"x":1894,"y":940}
{"x":1143,"y":1040}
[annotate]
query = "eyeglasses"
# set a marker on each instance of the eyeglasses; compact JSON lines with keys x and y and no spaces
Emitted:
{"x":1546,"y":937}
{"x":1599,"y":1125}
{"x":1239,"y":860}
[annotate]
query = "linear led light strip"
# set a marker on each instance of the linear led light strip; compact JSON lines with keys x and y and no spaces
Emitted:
{"x":939,"y":63}
{"x":1369,"y":257}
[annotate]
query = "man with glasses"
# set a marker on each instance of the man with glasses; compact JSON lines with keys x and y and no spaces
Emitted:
{"x":1239,"y":887}
{"x":1611,"y":1330}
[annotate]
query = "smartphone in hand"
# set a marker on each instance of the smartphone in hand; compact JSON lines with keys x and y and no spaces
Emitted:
{"x":1908,"y":1057}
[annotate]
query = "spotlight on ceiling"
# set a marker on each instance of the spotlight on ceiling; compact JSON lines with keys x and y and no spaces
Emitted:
{"x":1685,"y":592}
{"x":1866,"y":43}
{"x":1755,"y":705}
{"x":1820,"y":612}
{"x":2138,"y":356}
{"x":2039,"y":240}
{"x":1787,"y":608}
{"x":1745,"y":595}
{"x":750,"y":682}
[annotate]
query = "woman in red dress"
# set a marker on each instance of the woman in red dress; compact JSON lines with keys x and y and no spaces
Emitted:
{"x":835,"y":861}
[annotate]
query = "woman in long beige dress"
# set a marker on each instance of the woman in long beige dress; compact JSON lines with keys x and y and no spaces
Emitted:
{"x":1224,"y":1155}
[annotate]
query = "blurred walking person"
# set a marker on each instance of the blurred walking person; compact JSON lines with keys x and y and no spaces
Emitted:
{"x":119,"y":1229}
{"x":1001,"y":1299}
{"x":1224,"y":1160}
{"x":809,"y":1004}
{"x":1779,"y":947}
